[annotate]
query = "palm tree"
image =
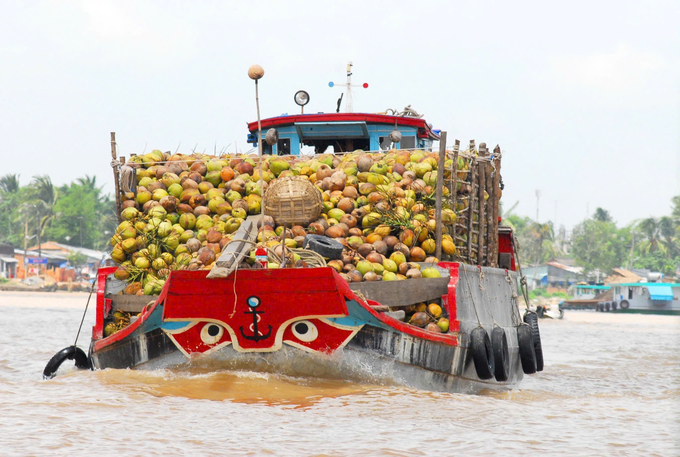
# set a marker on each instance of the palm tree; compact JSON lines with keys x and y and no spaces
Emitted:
{"x":541,"y":241}
{"x":90,"y":183}
{"x":676,"y":207}
{"x":667,"y":231}
{"x":9,"y":184}
{"x":44,"y":197}
{"x":650,"y":230}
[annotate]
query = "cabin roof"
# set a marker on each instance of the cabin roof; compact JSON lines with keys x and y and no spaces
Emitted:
{"x":424,"y":129}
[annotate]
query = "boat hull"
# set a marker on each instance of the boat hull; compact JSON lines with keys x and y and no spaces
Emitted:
{"x":353,"y":340}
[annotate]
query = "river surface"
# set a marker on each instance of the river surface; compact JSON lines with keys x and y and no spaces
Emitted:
{"x":611,"y":386}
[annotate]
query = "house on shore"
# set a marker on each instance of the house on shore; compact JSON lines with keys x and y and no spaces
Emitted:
{"x":54,"y":261}
{"x":8,"y":264}
{"x":556,"y":275}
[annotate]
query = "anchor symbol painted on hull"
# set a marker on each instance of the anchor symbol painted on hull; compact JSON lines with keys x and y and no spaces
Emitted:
{"x":254,"y":302}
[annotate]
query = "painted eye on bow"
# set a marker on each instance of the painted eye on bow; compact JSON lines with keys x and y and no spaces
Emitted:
{"x":305,"y":331}
{"x":211,"y":333}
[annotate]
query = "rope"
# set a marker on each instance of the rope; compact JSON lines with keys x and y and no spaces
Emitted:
{"x":514,"y":297}
{"x":84,"y":313}
{"x":128,"y":179}
{"x":474,"y":305}
{"x":311,"y":258}
{"x":522,"y":278}
{"x":233,"y":311}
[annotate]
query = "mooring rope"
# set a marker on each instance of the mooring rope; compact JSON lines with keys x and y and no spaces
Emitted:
{"x":85,"y":312}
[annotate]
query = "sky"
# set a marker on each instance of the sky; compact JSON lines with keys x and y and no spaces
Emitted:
{"x":583,"y":97}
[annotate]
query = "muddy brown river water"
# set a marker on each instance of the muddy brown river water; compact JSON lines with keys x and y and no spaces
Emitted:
{"x":611,"y":386}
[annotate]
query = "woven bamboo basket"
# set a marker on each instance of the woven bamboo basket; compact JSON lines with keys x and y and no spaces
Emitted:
{"x":293,"y":201}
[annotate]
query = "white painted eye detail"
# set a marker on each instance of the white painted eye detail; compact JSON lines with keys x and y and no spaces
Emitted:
{"x":211,"y":333}
{"x":305,"y":331}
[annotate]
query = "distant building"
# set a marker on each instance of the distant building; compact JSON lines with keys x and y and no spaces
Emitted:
{"x":8,"y":264}
{"x":553,"y":274}
{"x":57,"y":265}
{"x":64,"y":250}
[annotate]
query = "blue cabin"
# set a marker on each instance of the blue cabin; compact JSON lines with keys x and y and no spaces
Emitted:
{"x":343,"y":132}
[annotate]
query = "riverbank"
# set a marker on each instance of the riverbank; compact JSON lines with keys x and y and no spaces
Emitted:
{"x":45,"y":299}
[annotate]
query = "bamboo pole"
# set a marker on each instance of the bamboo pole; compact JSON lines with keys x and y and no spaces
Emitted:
{"x":481,"y":221}
{"x":471,"y":205}
{"x":454,"y":189}
{"x":490,"y":236}
{"x":439,"y":191}
{"x":497,"y":198}
{"x":116,"y":176}
{"x":259,"y":146}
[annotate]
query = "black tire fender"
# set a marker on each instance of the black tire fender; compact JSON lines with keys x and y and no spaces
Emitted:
{"x":527,"y":353}
{"x":531,"y":319}
{"x":482,"y":353}
{"x":69,"y":353}
{"x":624,"y":304}
{"x":323,"y":245}
{"x":501,"y":354}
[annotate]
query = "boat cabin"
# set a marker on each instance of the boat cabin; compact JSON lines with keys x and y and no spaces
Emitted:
{"x":650,"y":297}
{"x":587,"y":291}
{"x":342,"y":132}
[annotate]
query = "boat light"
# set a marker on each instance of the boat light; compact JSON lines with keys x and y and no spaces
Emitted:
{"x":301,"y":97}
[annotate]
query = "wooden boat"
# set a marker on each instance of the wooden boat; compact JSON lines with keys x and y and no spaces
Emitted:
{"x":311,"y":322}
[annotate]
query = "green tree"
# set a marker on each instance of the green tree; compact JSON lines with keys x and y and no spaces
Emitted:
{"x":602,"y":215}
{"x":10,"y":202}
{"x":650,"y":233}
{"x":9,"y":184}
{"x":656,"y":261}
{"x":85,"y":217}
{"x":42,"y":198}
{"x":536,"y":240}
{"x":598,"y":245}
{"x":676,"y":207}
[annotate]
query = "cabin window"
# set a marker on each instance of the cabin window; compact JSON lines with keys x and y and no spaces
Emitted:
{"x":630,"y":293}
{"x":283,"y":147}
{"x":407,"y":142}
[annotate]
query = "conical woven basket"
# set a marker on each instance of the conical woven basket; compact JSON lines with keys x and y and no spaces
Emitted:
{"x":293,"y":201}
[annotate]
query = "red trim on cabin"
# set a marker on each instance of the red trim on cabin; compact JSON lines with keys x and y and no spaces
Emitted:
{"x":424,"y":130}
{"x":506,"y":245}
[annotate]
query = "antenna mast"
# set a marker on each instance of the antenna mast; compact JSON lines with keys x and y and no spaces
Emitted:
{"x":349,"y":108}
